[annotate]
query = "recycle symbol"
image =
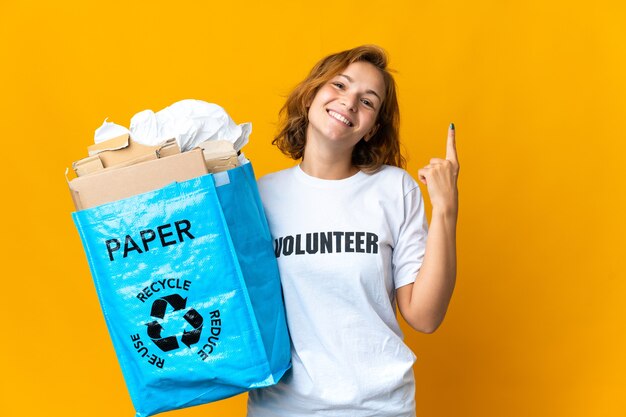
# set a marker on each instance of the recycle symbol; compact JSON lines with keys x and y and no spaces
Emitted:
{"x":191,"y":316}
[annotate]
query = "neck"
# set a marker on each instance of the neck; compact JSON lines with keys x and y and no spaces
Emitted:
{"x":327,"y":165}
{"x":327,"y":161}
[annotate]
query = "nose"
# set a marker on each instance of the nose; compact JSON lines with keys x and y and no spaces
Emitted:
{"x":350,"y":102}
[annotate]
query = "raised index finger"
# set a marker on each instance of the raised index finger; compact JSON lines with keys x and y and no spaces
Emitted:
{"x":451,"y":146}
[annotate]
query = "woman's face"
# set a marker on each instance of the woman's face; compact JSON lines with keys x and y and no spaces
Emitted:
{"x":345,"y":109}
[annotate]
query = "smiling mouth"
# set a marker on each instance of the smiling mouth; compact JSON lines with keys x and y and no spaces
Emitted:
{"x":339,"y":117}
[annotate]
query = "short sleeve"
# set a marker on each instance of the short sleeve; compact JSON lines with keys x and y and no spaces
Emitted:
{"x":410,"y":245}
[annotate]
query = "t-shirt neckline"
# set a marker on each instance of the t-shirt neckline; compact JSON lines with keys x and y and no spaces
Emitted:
{"x":319,"y":182}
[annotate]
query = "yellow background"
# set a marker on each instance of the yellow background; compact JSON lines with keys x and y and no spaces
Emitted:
{"x":537,"y":325}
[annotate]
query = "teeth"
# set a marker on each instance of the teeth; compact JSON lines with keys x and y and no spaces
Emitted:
{"x":339,"y":117}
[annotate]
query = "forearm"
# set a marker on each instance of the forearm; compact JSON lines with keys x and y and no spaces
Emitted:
{"x":433,"y":287}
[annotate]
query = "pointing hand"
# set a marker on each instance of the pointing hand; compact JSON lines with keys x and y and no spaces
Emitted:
{"x":440,"y":176}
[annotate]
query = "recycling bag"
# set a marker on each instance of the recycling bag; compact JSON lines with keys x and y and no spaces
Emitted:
{"x":188,"y":283}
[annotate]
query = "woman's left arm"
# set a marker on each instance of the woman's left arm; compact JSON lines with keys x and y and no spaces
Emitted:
{"x":424,"y":303}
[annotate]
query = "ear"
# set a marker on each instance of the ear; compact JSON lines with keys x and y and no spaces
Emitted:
{"x":371,"y":133}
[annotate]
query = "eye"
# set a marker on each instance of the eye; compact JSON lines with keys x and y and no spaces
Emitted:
{"x":338,"y":85}
{"x":367,"y":102}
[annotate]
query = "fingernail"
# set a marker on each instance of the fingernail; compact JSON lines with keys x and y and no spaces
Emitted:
{"x":452,"y":126}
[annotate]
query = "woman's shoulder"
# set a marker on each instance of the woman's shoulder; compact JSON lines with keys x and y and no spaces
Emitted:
{"x":277,"y":175}
{"x":392,"y":170}
{"x":396,"y":175}
{"x":275,"y":179}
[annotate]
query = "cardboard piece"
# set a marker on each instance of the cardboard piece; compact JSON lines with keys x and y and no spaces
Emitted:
{"x":87,"y":166}
{"x":219,"y":155}
{"x":114,"y":184}
{"x":122,"y":151}
{"x":169,"y":147}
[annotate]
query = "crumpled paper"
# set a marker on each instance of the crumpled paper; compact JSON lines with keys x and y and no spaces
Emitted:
{"x":189,"y":121}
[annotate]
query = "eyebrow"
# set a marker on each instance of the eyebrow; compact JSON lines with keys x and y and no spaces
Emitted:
{"x":368,"y":91}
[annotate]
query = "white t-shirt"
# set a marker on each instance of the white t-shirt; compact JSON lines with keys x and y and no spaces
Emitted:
{"x":343,"y":247}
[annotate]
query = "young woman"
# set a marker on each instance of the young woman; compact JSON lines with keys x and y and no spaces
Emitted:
{"x":351,"y":240}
